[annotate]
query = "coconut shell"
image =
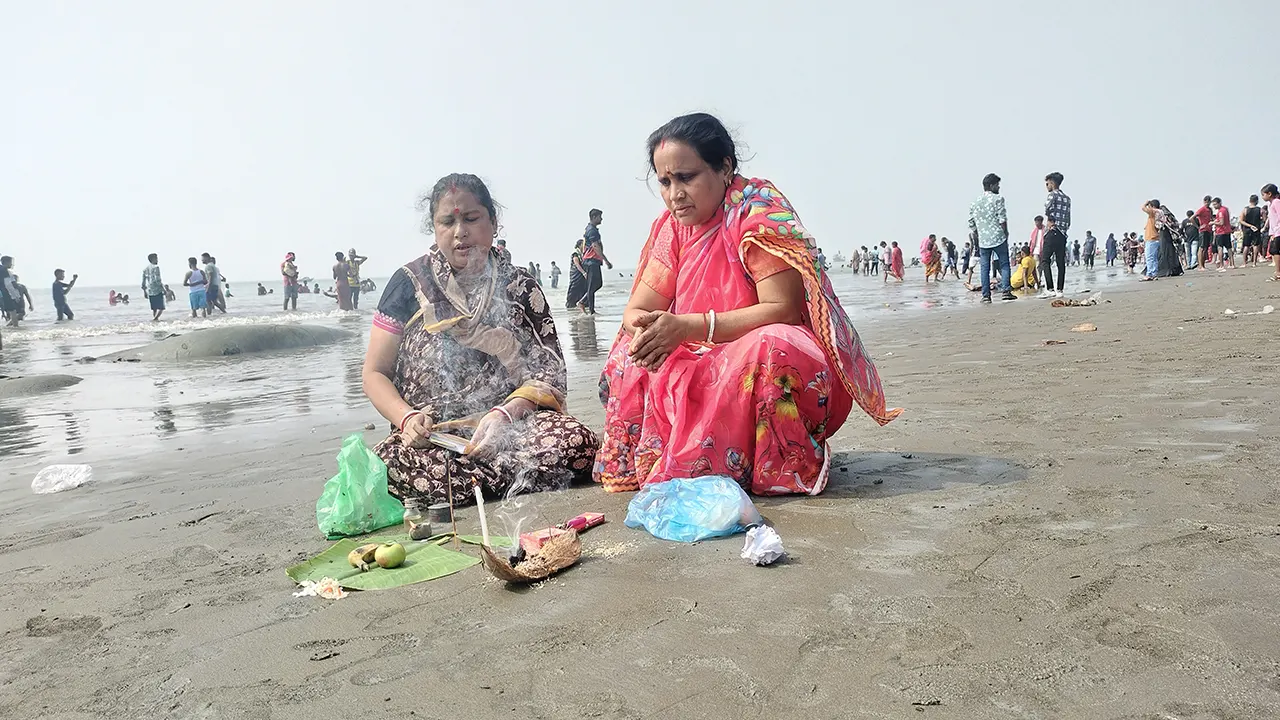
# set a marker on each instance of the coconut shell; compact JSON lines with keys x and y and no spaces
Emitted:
{"x":555,"y":555}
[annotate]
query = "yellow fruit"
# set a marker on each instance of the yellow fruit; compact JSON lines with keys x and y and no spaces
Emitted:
{"x":390,"y":555}
{"x":362,"y":556}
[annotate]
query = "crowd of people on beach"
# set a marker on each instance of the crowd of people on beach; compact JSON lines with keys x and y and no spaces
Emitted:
{"x":1208,"y":236}
{"x":733,"y":348}
{"x":347,"y":283}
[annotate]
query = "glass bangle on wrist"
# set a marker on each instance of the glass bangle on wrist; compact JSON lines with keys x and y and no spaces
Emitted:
{"x":405,"y":418}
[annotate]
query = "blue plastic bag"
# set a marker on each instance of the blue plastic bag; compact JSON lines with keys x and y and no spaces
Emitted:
{"x":688,"y":510}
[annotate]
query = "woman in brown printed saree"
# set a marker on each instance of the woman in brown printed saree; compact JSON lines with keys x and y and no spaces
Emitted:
{"x":460,"y":334}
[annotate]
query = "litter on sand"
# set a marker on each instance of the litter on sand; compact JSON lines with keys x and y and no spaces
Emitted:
{"x":693,"y":509}
{"x":1055,"y":342}
{"x":1085,"y":327}
{"x":57,"y":478}
{"x":763,"y":546}
{"x":1072,"y":302}
{"x":327,"y":588}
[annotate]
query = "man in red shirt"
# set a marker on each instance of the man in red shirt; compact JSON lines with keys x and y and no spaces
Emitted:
{"x":1203,"y":217}
{"x":1222,"y":239}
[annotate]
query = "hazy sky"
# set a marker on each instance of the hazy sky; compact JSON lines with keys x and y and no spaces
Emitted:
{"x":249,"y":129}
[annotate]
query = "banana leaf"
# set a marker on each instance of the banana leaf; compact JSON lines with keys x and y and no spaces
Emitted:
{"x":423,"y":561}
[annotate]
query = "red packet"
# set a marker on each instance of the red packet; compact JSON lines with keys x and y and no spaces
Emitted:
{"x":532,"y":541}
{"x":585,"y":521}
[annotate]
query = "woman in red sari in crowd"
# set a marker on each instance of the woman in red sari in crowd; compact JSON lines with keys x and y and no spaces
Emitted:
{"x":735,"y":357}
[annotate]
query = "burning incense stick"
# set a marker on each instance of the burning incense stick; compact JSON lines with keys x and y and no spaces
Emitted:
{"x":484,"y":522}
{"x":448,"y":481}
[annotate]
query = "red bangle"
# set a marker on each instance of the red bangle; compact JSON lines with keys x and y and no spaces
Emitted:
{"x":406,"y":417}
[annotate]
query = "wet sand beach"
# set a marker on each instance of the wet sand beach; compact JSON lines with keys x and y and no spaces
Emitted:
{"x":1086,"y":530}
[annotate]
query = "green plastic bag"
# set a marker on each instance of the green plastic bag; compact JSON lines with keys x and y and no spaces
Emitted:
{"x":356,"y":501}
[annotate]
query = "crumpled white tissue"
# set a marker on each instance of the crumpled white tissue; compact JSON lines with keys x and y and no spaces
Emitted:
{"x":763,"y":545}
{"x":327,"y":588}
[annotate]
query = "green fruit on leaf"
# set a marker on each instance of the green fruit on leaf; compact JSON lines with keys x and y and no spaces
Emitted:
{"x":389,"y":555}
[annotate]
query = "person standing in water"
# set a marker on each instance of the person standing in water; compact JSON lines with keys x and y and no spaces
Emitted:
{"x":354,"y":261}
{"x":213,"y":284}
{"x":593,"y":257}
{"x":577,"y":294}
{"x":1090,"y":249}
{"x":60,"y":290}
{"x":289,"y":276}
{"x":555,"y":275}
{"x":153,"y":286}
{"x":896,"y":265}
{"x":197,"y":287}
{"x":951,"y":262}
{"x":342,"y":288}
{"x":10,"y":296}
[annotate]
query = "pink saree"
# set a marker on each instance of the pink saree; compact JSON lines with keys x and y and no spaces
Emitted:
{"x":896,"y":267}
{"x":926,"y":252}
{"x":759,"y":409}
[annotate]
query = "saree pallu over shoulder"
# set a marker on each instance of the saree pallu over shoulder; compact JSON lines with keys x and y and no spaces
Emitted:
{"x":763,"y":219}
{"x":510,"y":320}
{"x":759,"y":409}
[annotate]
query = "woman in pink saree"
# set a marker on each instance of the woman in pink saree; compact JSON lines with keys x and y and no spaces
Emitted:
{"x":931,"y":258}
{"x":735,"y":357}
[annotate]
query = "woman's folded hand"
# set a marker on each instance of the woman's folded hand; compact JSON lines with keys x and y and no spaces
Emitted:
{"x":658,"y":333}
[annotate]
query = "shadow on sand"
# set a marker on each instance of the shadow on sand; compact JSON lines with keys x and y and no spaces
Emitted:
{"x":886,"y":474}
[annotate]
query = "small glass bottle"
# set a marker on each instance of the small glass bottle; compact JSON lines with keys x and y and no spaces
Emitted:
{"x":415,"y":524}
